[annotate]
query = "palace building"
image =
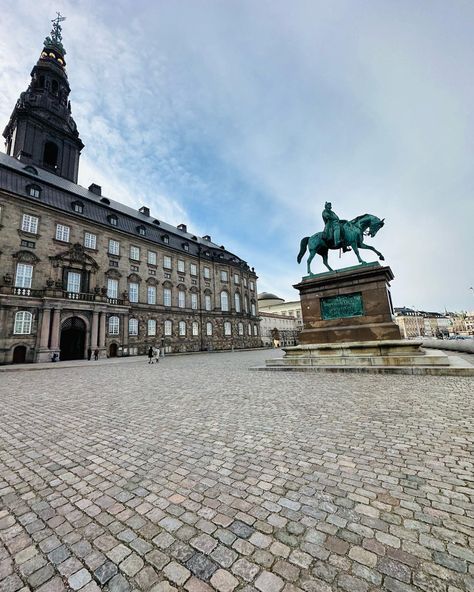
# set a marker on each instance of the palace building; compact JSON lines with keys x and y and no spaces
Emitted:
{"x":81,"y":271}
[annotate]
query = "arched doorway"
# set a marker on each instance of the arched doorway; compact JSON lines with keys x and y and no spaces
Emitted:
{"x":73,"y":339}
{"x":19,"y":354}
{"x":113,"y":350}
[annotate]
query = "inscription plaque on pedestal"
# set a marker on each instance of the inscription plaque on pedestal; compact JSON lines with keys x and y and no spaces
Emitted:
{"x":342,"y":307}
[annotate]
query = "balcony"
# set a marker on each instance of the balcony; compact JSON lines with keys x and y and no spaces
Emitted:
{"x":79,"y":296}
{"x":60,"y":293}
{"x":27,"y":292}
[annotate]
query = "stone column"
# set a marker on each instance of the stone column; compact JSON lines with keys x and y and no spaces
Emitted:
{"x":95,"y":330}
{"x":55,"y":330}
{"x":125,"y":351}
{"x":102,"y":328}
{"x":45,"y":324}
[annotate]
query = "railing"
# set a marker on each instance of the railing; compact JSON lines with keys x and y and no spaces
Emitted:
{"x":115,"y":301}
{"x":79,"y":296}
{"x":27,"y":292}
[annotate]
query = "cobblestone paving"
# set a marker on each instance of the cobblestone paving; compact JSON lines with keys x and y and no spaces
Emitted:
{"x":198,"y":475}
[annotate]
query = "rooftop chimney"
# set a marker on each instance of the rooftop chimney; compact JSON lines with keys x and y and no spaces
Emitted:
{"x":94,"y":188}
{"x":144,"y":210}
{"x":182,"y":227}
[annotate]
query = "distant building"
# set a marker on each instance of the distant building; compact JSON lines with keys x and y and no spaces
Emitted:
{"x":277,"y":327}
{"x":462,"y":323}
{"x":419,"y":323}
{"x":80,"y":271}
{"x":277,"y":307}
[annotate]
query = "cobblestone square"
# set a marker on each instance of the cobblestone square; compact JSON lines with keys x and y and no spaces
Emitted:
{"x":196,"y":475}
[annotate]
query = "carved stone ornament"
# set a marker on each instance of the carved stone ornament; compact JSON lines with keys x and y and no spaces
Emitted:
{"x":75,"y":254}
{"x":134,"y":277}
{"x":113,"y":274}
{"x":26,"y":257}
{"x":151,"y":281}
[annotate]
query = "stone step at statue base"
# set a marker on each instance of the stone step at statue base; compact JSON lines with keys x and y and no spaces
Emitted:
{"x":388,"y":356}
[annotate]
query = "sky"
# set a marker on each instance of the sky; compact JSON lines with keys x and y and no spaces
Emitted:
{"x":242,"y":118}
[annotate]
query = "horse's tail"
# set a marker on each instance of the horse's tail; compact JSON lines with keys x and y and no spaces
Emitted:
{"x":304,"y":244}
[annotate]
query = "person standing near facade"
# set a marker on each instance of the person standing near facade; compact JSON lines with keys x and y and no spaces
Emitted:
{"x":156,"y":353}
{"x":89,"y":353}
{"x":96,"y":354}
{"x":150,"y":355}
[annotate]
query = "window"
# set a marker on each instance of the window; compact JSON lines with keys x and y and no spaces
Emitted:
{"x":24,"y":274}
{"x":207,"y":302}
{"x":29,"y":244}
{"x":227,"y":328}
{"x":246,"y":304}
{"x":165,"y":238}
{"x":168,"y":328}
{"x":133,"y":327}
{"x":186,"y":246}
{"x":182,"y":299}
{"x":167,"y":262}
{"x":114,"y":325}
{"x":90,"y":240}
{"x":180,"y":266}
{"x":73,"y":282}
{"x":252,"y":286}
{"x":113,"y":220}
{"x":151,"y":295}
{"x":207,"y":273}
{"x":78,"y":207}
{"x":236,"y":280}
{"x":167,"y":296}
{"x":34,"y":190}
{"x":135,"y":253}
{"x":241,"y":328}
{"x":193,"y":269}
{"x":224,"y":275}
{"x":195,"y":328}
{"x":23,"y":321}
{"x":133,"y":292}
{"x":141,"y":230}
{"x":151,"y":327}
{"x":134,"y":268}
{"x":253,"y":309}
{"x":224,"y":301}
{"x":249,"y":330}
{"x":194,"y":301}
{"x":62,"y":233}
{"x":237,"y":302}
{"x":151,"y":258}
{"x":182,"y":328}
{"x":29,"y":223}
{"x":112,"y":288}
{"x":245,"y":282}
{"x":114,"y":247}
{"x":50,"y":152}
{"x":255,"y":330}
{"x":208,"y":329}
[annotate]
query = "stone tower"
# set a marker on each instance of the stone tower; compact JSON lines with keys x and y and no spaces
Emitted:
{"x":41,"y":130}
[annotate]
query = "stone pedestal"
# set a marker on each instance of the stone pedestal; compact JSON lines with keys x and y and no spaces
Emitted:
{"x":349,"y":305}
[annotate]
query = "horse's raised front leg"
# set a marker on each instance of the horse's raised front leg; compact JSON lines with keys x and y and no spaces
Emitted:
{"x":364,"y":246}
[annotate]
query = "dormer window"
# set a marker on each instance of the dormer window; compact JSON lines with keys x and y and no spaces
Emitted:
{"x":78,"y":207}
{"x":113,"y":220}
{"x":157,"y":222}
{"x":186,"y":246}
{"x":141,"y":230}
{"x":33,"y":190}
{"x":105,"y":200}
{"x":165,"y":238}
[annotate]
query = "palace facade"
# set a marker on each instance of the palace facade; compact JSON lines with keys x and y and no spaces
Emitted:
{"x":80,"y":271}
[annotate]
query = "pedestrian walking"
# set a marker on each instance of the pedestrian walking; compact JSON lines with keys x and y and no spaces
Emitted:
{"x":89,"y":353}
{"x":156,"y":353}
{"x":150,"y":355}
{"x":96,"y":354}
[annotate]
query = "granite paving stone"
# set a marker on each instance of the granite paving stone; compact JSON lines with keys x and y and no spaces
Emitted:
{"x":218,"y":478}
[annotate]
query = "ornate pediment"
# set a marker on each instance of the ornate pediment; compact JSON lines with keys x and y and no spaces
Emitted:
{"x":77,"y":255}
{"x":26,"y":257}
{"x":134,"y":277}
{"x":151,"y":281}
{"x":113,"y":274}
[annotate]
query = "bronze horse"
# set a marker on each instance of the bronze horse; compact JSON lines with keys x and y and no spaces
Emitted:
{"x":352,"y":233}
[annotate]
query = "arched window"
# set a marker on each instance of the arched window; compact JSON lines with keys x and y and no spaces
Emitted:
{"x":237,"y":301}
{"x":50,"y":155}
{"x":253,"y":309}
{"x":114,"y":325}
{"x":195,"y":327}
{"x":246,"y":304}
{"x":255,"y":330}
{"x":33,"y":190}
{"x":168,"y":328}
{"x":209,"y":329}
{"x":133,"y":327}
{"x":241,"y":328}
{"x":54,"y":87}
{"x":249,"y":330}
{"x":227,"y":328}
{"x":224,"y":301}
{"x":23,"y":321}
{"x":182,"y":328}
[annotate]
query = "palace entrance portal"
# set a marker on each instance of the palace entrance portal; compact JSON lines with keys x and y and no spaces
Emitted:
{"x":73,"y":339}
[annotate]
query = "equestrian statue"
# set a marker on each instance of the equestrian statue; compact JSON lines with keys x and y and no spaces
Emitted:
{"x":340,"y":234}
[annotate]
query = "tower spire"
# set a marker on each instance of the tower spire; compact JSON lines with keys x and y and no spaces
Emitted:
{"x":41,"y":130}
